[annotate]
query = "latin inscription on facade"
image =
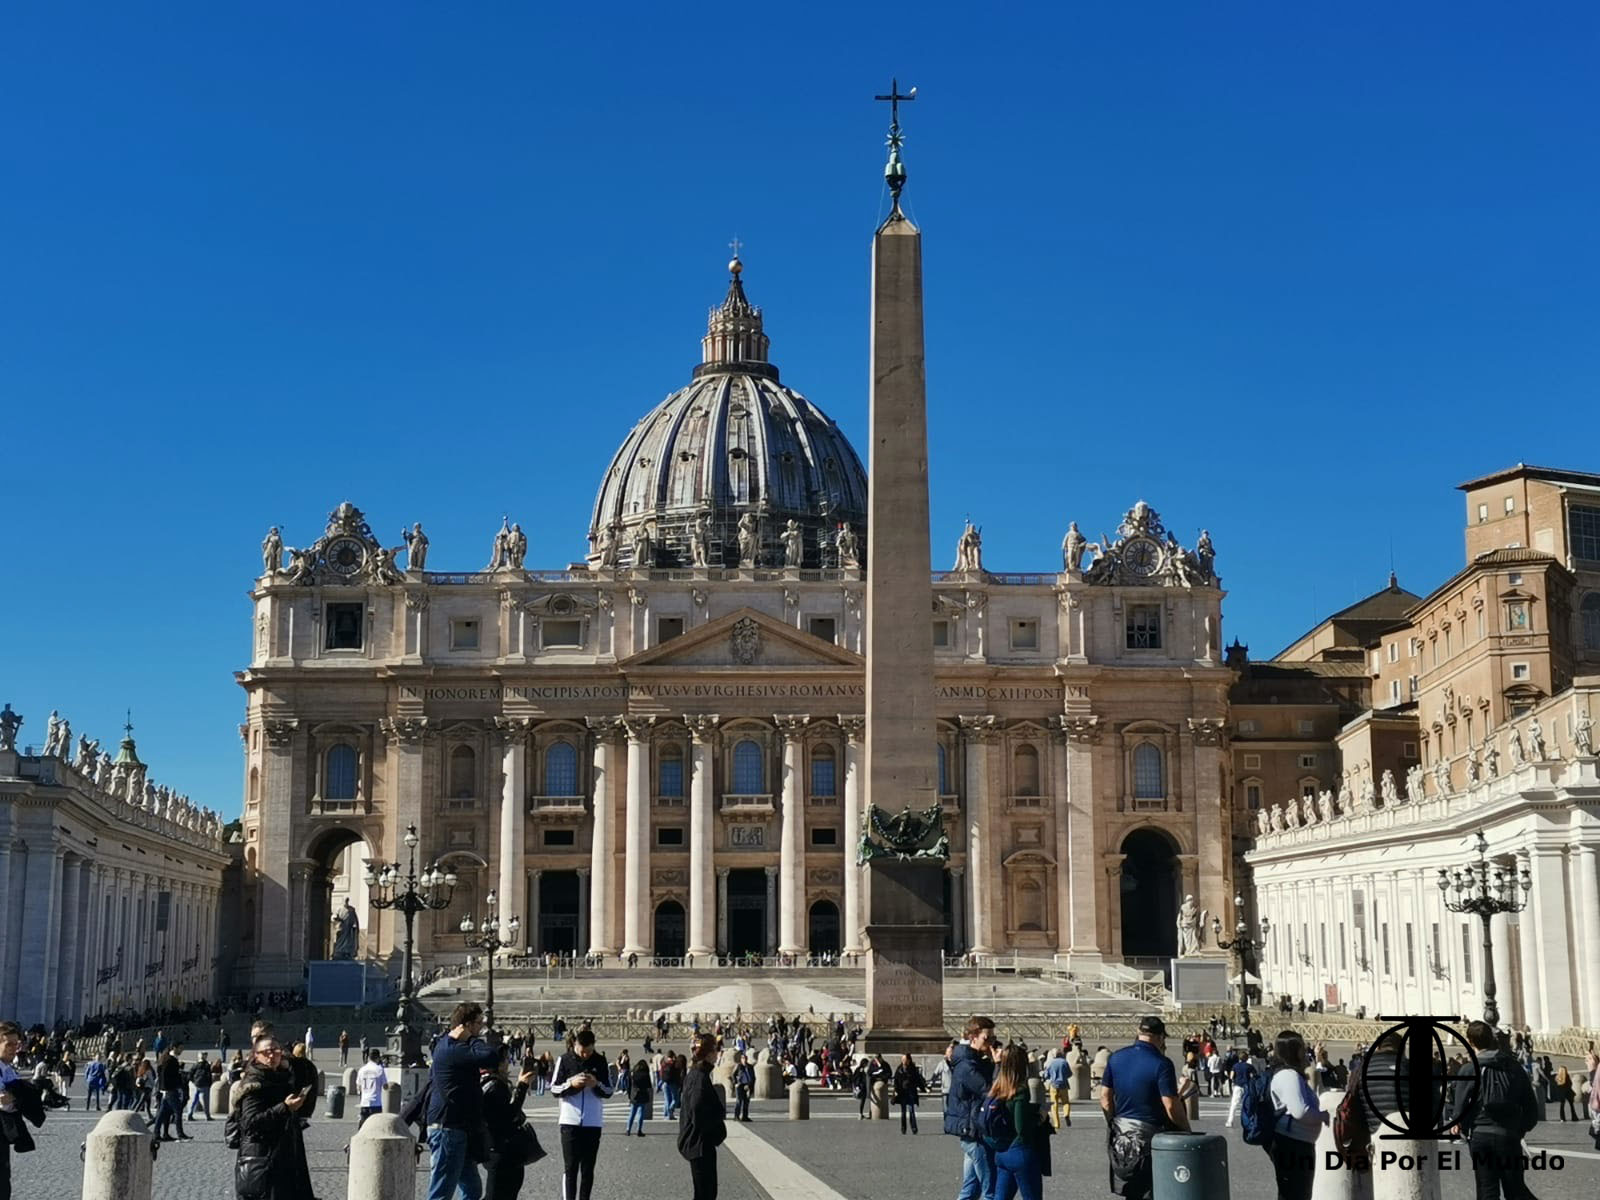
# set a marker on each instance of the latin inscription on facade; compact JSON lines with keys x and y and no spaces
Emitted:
{"x":646,"y":692}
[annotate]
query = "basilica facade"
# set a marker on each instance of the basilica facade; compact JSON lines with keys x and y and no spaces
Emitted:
{"x":656,"y":751}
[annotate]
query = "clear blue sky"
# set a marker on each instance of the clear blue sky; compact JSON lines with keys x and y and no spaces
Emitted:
{"x":1287,"y":274}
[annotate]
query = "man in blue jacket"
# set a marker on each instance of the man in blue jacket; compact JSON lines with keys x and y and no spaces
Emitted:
{"x":455,"y":1106}
{"x":971,"y":1073}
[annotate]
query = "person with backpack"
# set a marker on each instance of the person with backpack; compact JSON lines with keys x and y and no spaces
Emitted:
{"x":1244,"y":1069}
{"x":702,"y":1123}
{"x":1139,"y":1095}
{"x":639,"y":1095}
{"x":513,"y":1145}
{"x":971,"y":1074}
{"x":1013,"y":1128}
{"x":1495,"y":1116}
{"x":1298,"y":1119}
{"x":200,"y":1081}
{"x":1058,"y":1087}
{"x":94,"y":1079}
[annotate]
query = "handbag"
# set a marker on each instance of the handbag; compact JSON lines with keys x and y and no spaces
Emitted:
{"x":525,"y":1147}
{"x":251,"y":1174}
{"x":1351,"y":1133}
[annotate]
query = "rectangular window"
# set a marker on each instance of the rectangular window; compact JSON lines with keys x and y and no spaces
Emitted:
{"x":1308,"y":762}
{"x":941,"y":635}
{"x":1514,"y":579}
{"x":1024,"y":635}
{"x":1377,"y":661}
{"x":1433,"y":941}
{"x":823,"y":776}
{"x":344,"y":626}
{"x":668,"y":628}
{"x":1411,"y":952}
{"x":669,"y":835}
{"x":1306,"y":728}
{"x":560,"y":837}
{"x":563,"y":633}
{"x":1308,"y":791}
{"x":1383,"y":935}
{"x":463,"y":634}
{"x":1483,"y":513}
{"x":1583,"y":530}
{"x":1394,"y":691}
{"x":1144,"y":627}
{"x":1408,"y":750}
{"x":1249,"y":726}
{"x":1394,"y":651}
{"x":1466,"y":954}
{"x":669,"y":776}
{"x":1411,"y":687}
{"x":1511,"y":504}
{"x":1252,"y":762}
{"x":1252,"y":796}
{"x":821,"y":627}
{"x":1480,"y":623}
{"x":824,"y":835}
{"x":1322,"y":943}
{"x":1519,"y":670}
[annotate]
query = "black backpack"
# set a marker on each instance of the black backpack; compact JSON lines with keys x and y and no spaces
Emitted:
{"x":1505,"y":1097}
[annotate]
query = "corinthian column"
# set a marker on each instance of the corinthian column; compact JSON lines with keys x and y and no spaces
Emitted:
{"x":600,"y":924}
{"x":977,"y":732}
{"x":514,"y":816}
{"x":854,"y":726}
{"x":636,"y":868}
{"x":792,"y":851}
{"x":702,"y":823}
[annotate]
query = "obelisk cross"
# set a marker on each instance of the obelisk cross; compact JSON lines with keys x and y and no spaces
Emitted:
{"x":894,"y":97}
{"x":894,"y":173}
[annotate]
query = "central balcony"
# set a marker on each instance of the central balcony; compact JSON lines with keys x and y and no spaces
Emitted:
{"x":558,"y":808}
{"x":741,"y":805}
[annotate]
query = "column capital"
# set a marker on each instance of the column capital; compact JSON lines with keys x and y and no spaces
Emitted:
{"x":404,"y":731}
{"x":702,"y":727}
{"x":1206,"y":731}
{"x":279,"y":733}
{"x":535,"y":872}
{"x":771,"y":871}
{"x":1084,"y":730}
{"x":958,"y":872}
{"x":722,"y":872}
{"x":604,"y":728}
{"x":583,"y":872}
{"x":979,"y":727}
{"x":854,"y":726}
{"x":512,"y":729}
{"x":791,"y":725}
{"x":638,"y":728}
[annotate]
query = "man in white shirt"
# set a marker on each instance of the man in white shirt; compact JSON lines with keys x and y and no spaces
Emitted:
{"x":311,"y":1044}
{"x":582,"y":1085}
{"x":371,"y":1079}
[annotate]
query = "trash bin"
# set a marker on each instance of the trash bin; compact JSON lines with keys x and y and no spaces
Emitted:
{"x":335,"y":1106}
{"x":1189,"y":1166}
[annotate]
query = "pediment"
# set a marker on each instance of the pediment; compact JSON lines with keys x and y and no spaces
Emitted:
{"x":746,"y":638}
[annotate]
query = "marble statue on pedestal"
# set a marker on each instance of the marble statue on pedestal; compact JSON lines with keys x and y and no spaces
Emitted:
{"x":272,"y":552}
{"x":1518,"y":754}
{"x":500,"y":554}
{"x":1441,"y":776}
{"x":52,"y":734}
{"x":10,"y":722}
{"x":1325,"y":803}
{"x":700,"y":541}
{"x":793,"y":544}
{"x":1191,"y":920}
{"x":1391,"y":794}
{"x":517,"y":548}
{"x":1473,"y":766}
{"x":1414,"y":786}
{"x":1264,"y":820}
{"x":969,"y":550}
{"x":1583,"y":735}
{"x":1536,"y":748}
{"x":1347,"y":796}
{"x":1072,"y":548}
{"x":849,"y":549}
{"x":416,"y":547}
{"x":349,"y":930}
{"x":1491,"y":757}
{"x":1369,"y":794}
{"x":749,"y":539}
{"x":644,"y":548}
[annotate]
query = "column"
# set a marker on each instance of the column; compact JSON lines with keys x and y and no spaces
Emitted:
{"x":599,"y":913}
{"x":585,"y":909}
{"x":771,"y":946}
{"x":530,"y":935}
{"x":977,"y":732}
{"x":854,"y":726}
{"x":722,"y":910}
{"x":1202,"y":747}
{"x":1528,"y":959}
{"x":72,"y":949}
{"x":702,"y":827}
{"x":792,"y":852}
{"x":273,"y":967}
{"x":514,"y":817}
{"x":1548,"y":903}
{"x":41,"y":929}
{"x":1500,"y":934}
{"x":1587,"y":902}
{"x":1059,"y":790}
{"x":10,"y":931}
{"x":636,"y":865}
{"x":958,"y":917}
{"x":1082,"y":864}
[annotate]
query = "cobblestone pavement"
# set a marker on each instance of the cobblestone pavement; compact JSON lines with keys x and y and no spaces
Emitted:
{"x":856,"y":1159}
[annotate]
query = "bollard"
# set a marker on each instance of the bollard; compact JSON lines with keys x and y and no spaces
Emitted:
{"x":799,"y":1101}
{"x":333,"y":1109}
{"x":1036,"y":1092}
{"x":1185,"y":1165}
{"x":769,"y":1081}
{"x":1335,"y":1183}
{"x":219,"y":1098}
{"x":880,"y":1101}
{"x":322,"y":1083}
{"x":1403,"y":1168}
{"x":117,"y":1163}
{"x":1080,"y":1079}
{"x":383,"y":1159}
{"x":391,"y":1099}
{"x":1193,"y":1104}
{"x":349,"y":1081}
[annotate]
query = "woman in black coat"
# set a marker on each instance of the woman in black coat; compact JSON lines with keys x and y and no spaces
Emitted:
{"x":272,"y":1155}
{"x":502,"y":1114}
{"x":702,"y":1119}
{"x":908,"y":1084}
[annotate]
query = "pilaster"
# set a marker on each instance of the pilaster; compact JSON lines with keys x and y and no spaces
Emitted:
{"x":978,"y":733}
{"x":600,"y":910}
{"x":512,"y":847}
{"x":854,"y":726}
{"x":702,"y":824}
{"x":636,"y":868}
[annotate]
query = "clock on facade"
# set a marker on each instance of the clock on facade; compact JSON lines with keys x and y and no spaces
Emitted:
{"x":345,"y":555}
{"x":1141,"y":556}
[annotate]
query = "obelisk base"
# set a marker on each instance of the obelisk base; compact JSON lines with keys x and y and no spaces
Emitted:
{"x":905,"y":958}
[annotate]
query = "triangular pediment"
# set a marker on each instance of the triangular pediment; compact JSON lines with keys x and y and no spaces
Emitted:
{"x":749,"y":639}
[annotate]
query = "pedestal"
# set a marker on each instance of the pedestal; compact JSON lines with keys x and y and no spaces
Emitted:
{"x":905,"y":958}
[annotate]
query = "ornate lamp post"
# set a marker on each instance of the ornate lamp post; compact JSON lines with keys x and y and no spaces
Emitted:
{"x":495,"y":934}
{"x":1244,"y":948}
{"x":410,"y":893}
{"x":1487,"y":890}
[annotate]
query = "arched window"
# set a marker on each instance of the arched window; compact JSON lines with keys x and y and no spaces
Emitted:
{"x":339,"y":782}
{"x":463,"y":773}
{"x":1025,"y":771}
{"x":823,"y":772}
{"x":1591,"y":621}
{"x":944,"y":771}
{"x":749,"y":776}
{"x":561,"y":770}
{"x":669,"y":771}
{"x":1149,"y":779}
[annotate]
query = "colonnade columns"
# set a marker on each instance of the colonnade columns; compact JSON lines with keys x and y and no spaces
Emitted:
{"x":1082,"y":876}
{"x":41,"y":915}
{"x":977,"y":733}
{"x":636,"y":866}
{"x":598,"y":912}
{"x":1532,"y":1007}
{"x":1588,"y":905}
{"x":1059,"y":790}
{"x":702,"y":826}
{"x":958,"y":914}
{"x":792,"y":850}
{"x":722,"y":910}
{"x":1203,"y":740}
{"x":514,"y":818}
{"x":9,"y":931}
{"x":408,"y":738}
{"x":855,"y":728}
{"x":72,"y":949}
{"x":1549,"y":926}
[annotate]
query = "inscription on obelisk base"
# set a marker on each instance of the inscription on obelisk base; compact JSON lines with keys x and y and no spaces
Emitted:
{"x":905,"y":963}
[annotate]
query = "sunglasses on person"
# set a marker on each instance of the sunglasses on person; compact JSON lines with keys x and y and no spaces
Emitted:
{"x":270,"y":1051}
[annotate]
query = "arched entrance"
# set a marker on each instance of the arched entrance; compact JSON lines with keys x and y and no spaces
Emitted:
{"x":670,"y":930}
{"x":822,"y":930}
{"x":1149,"y":897}
{"x":338,"y":873}
{"x":747,"y":912}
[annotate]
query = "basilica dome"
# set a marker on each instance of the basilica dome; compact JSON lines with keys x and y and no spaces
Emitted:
{"x":734,"y":446}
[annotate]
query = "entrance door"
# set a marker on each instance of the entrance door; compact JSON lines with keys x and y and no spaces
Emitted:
{"x":671,"y":930}
{"x":747,"y":912}
{"x":823,"y":928}
{"x":558,"y":913}
{"x":1149,"y":896}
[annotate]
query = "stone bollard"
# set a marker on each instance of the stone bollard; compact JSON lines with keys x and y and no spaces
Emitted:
{"x":1405,"y":1169}
{"x":769,"y":1081}
{"x":349,"y":1081}
{"x":117,"y":1164}
{"x":880,"y":1101}
{"x":322,"y":1083}
{"x":219,"y":1097}
{"x":383,"y":1159}
{"x":1080,"y":1079}
{"x":1339,"y":1183}
{"x":1193,"y":1104}
{"x":391,"y":1099}
{"x":1036,"y":1092}
{"x":799,"y":1101}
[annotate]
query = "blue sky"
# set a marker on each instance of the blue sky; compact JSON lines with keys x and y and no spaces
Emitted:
{"x":1288,"y":272}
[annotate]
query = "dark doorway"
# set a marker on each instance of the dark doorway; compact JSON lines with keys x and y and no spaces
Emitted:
{"x":670,"y":931}
{"x":952,"y":935}
{"x":324,"y":854}
{"x":1149,"y":896}
{"x":822,"y":932}
{"x":558,"y":913}
{"x":747,"y":912}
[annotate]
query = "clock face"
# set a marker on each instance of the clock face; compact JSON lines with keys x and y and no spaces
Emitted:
{"x":345,"y":555}
{"x":1141,"y":557}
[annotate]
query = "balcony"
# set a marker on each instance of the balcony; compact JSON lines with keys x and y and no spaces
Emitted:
{"x":747,"y":805}
{"x":671,"y":802}
{"x":558,"y":808}
{"x":950,"y":802}
{"x":1149,"y":804}
{"x":823,"y":801}
{"x":321,"y":807}
{"x":1035,"y":801}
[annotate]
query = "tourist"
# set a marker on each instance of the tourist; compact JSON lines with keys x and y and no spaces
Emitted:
{"x":271,"y":1163}
{"x":455,"y":1106}
{"x":1592,"y":1062}
{"x":170,"y":1075}
{"x":1299,"y":1122}
{"x":744,"y":1085}
{"x":18,"y":1101}
{"x":971,"y":1074}
{"x":1242,"y":1072}
{"x":581,"y":1084}
{"x":670,"y":1077}
{"x":879,"y":1076}
{"x":1566,"y":1096}
{"x":639,"y":1096}
{"x":908,"y":1084}
{"x":311,"y":1044}
{"x":95,"y":1081}
{"x":122,"y":1089}
{"x":200,"y":1081}
{"x":371,"y":1079}
{"x":305,"y":1075}
{"x":862,"y":1087}
{"x":512,"y":1142}
{"x":1139,"y":1095}
{"x":1058,"y":1085}
{"x":1495,"y":1115}
{"x":344,"y":1047}
{"x":701,"y":1124}
{"x":1018,"y":1165}
{"x":144,"y":1082}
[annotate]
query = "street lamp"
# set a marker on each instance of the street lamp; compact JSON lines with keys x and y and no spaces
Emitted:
{"x":1244,"y":948}
{"x":1488,"y":891}
{"x":494,"y":935}
{"x":410,"y":893}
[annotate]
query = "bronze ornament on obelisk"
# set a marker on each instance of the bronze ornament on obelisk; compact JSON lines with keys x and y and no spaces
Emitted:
{"x":903,"y":846}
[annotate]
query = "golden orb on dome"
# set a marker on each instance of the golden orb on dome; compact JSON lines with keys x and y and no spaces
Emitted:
{"x":735,"y":266}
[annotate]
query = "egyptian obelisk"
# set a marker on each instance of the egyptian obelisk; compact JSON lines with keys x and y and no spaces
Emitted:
{"x":905,"y":910}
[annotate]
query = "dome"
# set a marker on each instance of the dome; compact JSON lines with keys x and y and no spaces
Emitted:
{"x":734,"y":442}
